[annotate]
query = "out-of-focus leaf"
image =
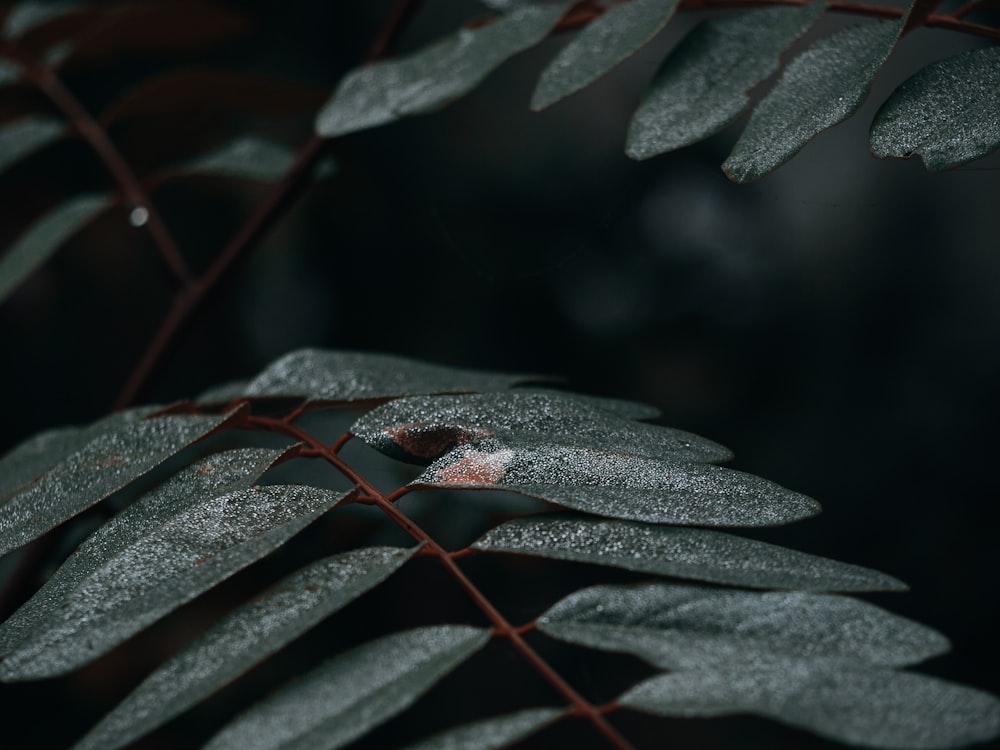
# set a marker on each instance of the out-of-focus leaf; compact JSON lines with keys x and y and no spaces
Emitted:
{"x":22,"y":137}
{"x":380,"y":93}
{"x":694,"y":627}
{"x":125,"y":449}
{"x":242,"y":639}
{"x":603,"y":44}
{"x":947,"y":112}
{"x":843,"y":700}
{"x":8,"y":73}
{"x":354,"y":692}
{"x":488,"y":734}
{"x":424,"y":428}
{"x":106,"y":598}
{"x":206,"y":89}
{"x":359,"y":376}
{"x":820,"y":88}
{"x":702,"y":85}
{"x":248,"y":157}
{"x":697,"y":554}
{"x":619,"y":486}
{"x":41,"y":240}
{"x":30,"y":14}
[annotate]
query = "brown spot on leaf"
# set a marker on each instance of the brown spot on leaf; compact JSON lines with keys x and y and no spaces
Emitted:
{"x":476,"y":468}
{"x":423,"y":440}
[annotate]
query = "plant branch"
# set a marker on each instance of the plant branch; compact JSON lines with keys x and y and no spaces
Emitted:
{"x":501,"y":626}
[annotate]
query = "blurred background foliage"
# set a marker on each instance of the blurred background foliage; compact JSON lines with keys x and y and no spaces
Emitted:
{"x":837,"y":324}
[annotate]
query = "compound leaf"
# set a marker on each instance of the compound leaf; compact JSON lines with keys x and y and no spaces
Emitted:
{"x":184,"y":555}
{"x":488,"y":734}
{"x":702,"y":85}
{"x":683,"y":627}
{"x":423,"y":428}
{"x":45,"y":236}
{"x":338,"y":376}
{"x":354,"y":692}
{"x":840,"y":699}
{"x":247,"y":157}
{"x":697,"y":554}
{"x":386,"y":91}
{"x":244,"y":638}
{"x":820,"y":88}
{"x":25,"y":136}
{"x":946,"y":112}
{"x":603,"y":44}
{"x":125,"y":448}
{"x":619,"y":486}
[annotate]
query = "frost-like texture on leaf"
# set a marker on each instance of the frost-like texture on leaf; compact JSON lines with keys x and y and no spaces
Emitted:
{"x":185,"y":556}
{"x":25,"y":136}
{"x":488,"y":734}
{"x":697,"y":554}
{"x":380,"y":93}
{"x":358,"y":376}
{"x":820,"y":88}
{"x":702,"y":85}
{"x":947,"y":112}
{"x":354,"y":692}
{"x":423,"y":428}
{"x":620,"y":486}
{"x":250,"y":157}
{"x":125,"y":448}
{"x":845,"y":701}
{"x":45,"y":236}
{"x":603,"y":44}
{"x":31,"y":13}
{"x":693,"y":627}
{"x":244,"y":638}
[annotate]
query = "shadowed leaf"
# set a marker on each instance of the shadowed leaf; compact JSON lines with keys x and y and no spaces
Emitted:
{"x":110,"y":460}
{"x":423,"y":428}
{"x":845,"y":701}
{"x":702,"y":86}
{"x":947,"y":112}
{"x":354,"y":692}
{"x":22,"y":137}
{"x":358,"y":376}
{"x":692,"y":627}
{"x":8,"y":73}
{"x":603,"y":44}
{"x":247,"y":157}
{"x":698,"y":554}
{"x":244,"y":638}
{"x":41,"y":240}
{"x":380,"y":93}
{"x":106,"y":597}
{"x":820,"y":88}
{"x":34,"y":13}
{"x":488,"y":734}
{"x":619,"y":486}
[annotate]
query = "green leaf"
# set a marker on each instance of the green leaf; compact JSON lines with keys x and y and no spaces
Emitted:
{"x":820,"y":88}
{"x":247,"y":157}
{"x":947,"y":112}
{"x":354,"y":692}
{"x":182,"y":538}
{"x":603,"y":44}
{"x":386,"y":91}
{"x":125,"y":448}
{"x":243,"y":639}
{"x":37,"y":455}
{"x":358,"y":376}
{"x":492,"y":733}
{"x":682,"y":627}
{"x":23,"y":137}
{"x":702,"y":85}
{"x":697,"y":554}
{"x":845,"y":701}
{"x":619,"y":486}
{"x":423,"y":428}
{"x":45,"y":236}
{"x":30,"y":14}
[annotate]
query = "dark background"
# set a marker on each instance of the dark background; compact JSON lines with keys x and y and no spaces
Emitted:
{"x":836,"y":323}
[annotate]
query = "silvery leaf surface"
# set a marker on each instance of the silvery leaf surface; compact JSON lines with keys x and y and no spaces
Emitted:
{"x":492,"y":733}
